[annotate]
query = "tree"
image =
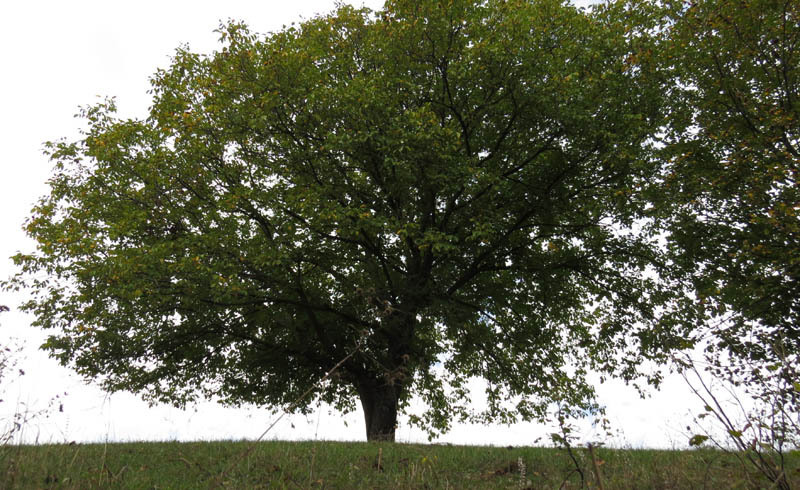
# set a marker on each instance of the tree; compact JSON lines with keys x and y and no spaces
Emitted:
{"x":734,"y":160}
{"x":449,"y":189}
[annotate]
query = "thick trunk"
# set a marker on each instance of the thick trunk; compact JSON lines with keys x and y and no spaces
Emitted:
{"x":380,"y":401}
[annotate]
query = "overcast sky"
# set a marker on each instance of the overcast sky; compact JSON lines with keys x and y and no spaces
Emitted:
{"x":59,"y":55}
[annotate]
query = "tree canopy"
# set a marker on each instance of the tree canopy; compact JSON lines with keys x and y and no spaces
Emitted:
{"x":733,"y":159}
{"x":444,"y":190}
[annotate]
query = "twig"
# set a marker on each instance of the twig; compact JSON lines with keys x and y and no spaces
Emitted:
{"x":596,"y":467}
{"x":753,"y":452}
{"x":564,"y":439}
{"x":311,"y":467}
{"x":577,"y":465}
{"x":566,"y":479}
{"x":779,"y":480}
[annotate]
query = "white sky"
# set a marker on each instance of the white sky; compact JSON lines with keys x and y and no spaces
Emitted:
{"x":57,"y":55}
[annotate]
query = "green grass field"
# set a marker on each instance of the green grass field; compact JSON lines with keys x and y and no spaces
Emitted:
{"x":168,"y":465}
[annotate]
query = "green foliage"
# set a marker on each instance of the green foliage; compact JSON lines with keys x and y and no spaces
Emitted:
{"x":697,"y":440}
{"x":734,"y":159}
{"x":461,"y":185}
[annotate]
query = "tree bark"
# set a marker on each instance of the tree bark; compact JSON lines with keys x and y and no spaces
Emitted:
{"x":379,"y":400}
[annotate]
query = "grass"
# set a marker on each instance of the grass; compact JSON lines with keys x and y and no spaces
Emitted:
{"x":276,"y":464}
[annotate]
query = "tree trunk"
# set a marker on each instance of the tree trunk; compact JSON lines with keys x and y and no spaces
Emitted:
{"x":379,"y":400}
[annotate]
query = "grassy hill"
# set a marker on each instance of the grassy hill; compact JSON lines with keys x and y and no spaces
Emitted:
{"x":277,"y":464}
